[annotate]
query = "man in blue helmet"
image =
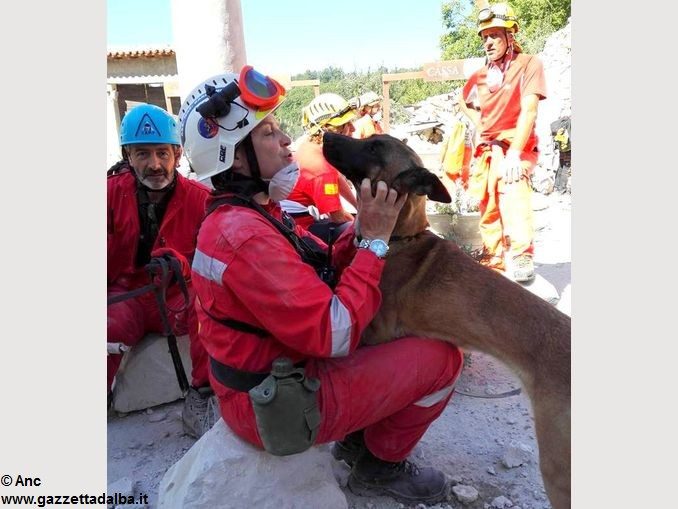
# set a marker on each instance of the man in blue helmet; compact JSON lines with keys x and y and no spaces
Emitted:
{"x":153,"y":211}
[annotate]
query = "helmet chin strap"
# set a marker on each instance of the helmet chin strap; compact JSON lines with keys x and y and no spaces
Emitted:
{"x":504,"y":61}
{"x":508,"y":54}
{"x":253,"y":163}
{"x":237,"y":183}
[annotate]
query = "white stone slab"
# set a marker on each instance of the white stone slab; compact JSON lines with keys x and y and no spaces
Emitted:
{"x":221,"y":470}
{"x":146,"y":377}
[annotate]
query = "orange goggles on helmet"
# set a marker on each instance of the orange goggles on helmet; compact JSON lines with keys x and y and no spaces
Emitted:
{"x":259,"y":90}
{"x":255,"y":89}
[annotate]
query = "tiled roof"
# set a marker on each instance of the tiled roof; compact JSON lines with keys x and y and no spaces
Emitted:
{"x":139,"y":52}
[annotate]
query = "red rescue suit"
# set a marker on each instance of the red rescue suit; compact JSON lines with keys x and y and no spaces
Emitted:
{"x":318,"y":185}
{"x":130,"y":320}
{"x":245,"y":270}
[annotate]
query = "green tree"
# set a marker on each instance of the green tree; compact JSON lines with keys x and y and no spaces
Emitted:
{"x":289,"y":114}
{"x":352,"y":84}
{"x":537,"y":19}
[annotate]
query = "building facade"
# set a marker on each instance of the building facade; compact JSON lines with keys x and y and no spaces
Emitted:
{"x":138,"y":75}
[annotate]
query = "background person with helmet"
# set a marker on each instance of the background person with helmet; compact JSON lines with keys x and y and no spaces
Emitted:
{"x":368,"y":106}
{"x":154,"y":211}
{"x":320,"y":184}
{"x":508,"y":89}
{"x":282,"y":332}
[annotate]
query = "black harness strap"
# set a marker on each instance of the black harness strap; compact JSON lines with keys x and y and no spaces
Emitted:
{"x":131,"y":294}
{"x":309,"y":255}
{"x":237,"y":324}
{"x":238,"y":379}
{"x":286,"y":228}
{"x":244,"y":380}
{"x":310,"y":252}
{"x":234,"y":378}
{"x":298,"y":214}
{"x":160,"y":267}
{"x":165,"y":277}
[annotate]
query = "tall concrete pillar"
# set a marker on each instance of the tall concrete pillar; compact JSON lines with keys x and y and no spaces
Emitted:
{"x":113,"y":153}
{"x":208,"y":40}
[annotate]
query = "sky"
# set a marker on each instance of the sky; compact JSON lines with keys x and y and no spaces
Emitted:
{"x":296,"y":35}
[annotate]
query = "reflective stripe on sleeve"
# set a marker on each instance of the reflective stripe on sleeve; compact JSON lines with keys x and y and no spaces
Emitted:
{"x":436,"y":397}
{"x":208,"y":267}
{"x":340,"y":320}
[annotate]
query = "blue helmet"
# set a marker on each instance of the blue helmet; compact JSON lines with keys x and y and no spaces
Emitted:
{"x":147,"y":123}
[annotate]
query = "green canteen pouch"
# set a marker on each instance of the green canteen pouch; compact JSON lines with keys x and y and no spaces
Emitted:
{"x":286,"y":409}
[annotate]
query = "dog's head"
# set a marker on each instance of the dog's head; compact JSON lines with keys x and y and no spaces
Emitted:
{"x":383,"y":157}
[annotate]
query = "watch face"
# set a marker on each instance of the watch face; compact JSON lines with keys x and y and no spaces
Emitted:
{"x":379,"y":247}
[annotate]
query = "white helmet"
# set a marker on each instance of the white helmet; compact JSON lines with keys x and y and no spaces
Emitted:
{"x":368,"y":99}
{"x":220,"y":112}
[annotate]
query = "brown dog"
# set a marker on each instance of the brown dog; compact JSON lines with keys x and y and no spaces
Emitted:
{"x":431,"y":288}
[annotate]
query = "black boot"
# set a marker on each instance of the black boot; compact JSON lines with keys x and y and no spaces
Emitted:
{"x":350,"y":448}
{"x":403,"y":481}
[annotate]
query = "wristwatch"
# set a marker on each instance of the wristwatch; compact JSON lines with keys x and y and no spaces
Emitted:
{"x":377,"y":246}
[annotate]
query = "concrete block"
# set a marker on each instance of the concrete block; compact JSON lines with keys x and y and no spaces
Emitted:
{"x":221,"y":470}
{"x":146,"y":377}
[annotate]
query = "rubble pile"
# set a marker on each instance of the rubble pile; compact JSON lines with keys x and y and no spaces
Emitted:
{"x":557,"y":59}
{"x":430,"y":121}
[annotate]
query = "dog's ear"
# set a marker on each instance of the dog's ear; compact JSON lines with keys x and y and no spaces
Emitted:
{"x":421,"y":181}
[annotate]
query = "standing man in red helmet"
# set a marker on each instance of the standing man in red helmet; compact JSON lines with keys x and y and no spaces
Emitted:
{"x":153,"y":211}
{"x":508,"y":89}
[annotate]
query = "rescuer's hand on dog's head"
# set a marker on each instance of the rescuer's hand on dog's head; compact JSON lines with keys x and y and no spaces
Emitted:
{"x":377,"y":214}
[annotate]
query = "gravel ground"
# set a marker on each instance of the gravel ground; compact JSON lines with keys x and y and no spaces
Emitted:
{"x":473,"y":441}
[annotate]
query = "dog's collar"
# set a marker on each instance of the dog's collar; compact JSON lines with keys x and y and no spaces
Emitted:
{"x":396,"y":238}
{"x":392,"y":238}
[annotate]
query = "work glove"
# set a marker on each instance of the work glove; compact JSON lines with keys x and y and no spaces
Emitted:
{"x":168,"y":254}
{"x":510,"y":168}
